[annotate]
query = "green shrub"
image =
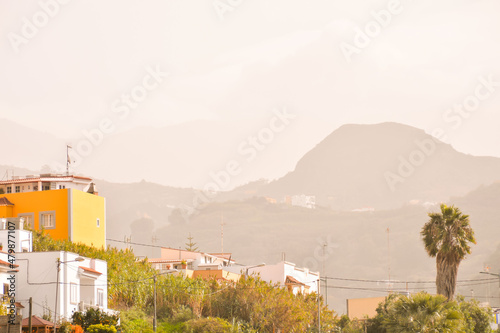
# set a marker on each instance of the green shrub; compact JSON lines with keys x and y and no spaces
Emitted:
{"x":100,"y":328}
{"x":134,"y":320}
{"x":209,"y":325}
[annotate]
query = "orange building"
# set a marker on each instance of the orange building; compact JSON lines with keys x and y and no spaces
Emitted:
{"x":67,"y":207}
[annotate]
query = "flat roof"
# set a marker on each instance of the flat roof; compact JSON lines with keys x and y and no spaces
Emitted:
{"x":45,"y":178}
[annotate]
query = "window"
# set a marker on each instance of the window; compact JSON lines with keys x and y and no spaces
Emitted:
{"x":73,"y":293}
{"x":48,"y":220}
{"x":100,"y":297}
{"x":18,"y":189}
{"x":9,"y":189}
{"x":46,"y":187}
{"x":28,"y":219}
{"x":5,"y":288}
{"x":62,"y":187}
{"x":98,"y":221}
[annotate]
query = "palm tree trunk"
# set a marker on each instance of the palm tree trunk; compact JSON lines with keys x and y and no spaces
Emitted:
{"x":446,"y":278}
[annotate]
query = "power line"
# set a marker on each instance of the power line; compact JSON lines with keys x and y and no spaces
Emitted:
{"x":394,"y":281}
{"x":120,"y":241}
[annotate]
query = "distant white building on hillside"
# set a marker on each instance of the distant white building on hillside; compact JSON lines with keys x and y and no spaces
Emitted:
{"x":302,"y":200}
{"x":295,"y":279}
{"x":174,"y":258}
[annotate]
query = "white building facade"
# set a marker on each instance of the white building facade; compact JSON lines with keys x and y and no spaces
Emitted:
{"x":82,"y":284}
{"x":297,"y":280}
{"x":13,"y":229}
{"x":173,"y":259}
{"x":45,"y":182}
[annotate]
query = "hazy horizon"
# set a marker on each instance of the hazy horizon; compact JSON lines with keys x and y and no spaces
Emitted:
{"x":131,"y":68}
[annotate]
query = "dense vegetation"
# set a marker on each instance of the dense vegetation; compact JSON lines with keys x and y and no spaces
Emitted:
{"x":193,"y":305}
{"x":250,"y":305}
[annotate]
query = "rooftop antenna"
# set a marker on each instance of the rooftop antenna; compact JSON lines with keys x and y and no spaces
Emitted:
{"x":68,"y":160}
{"x":154,"y":239}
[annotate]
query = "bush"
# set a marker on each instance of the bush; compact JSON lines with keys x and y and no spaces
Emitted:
{"x":434,"y":312}
{"x":100,"y":328}
{"x":209,"y":325}
{"x":135,"y":321}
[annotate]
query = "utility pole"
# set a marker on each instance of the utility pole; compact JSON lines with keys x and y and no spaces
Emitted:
{"x":57,"y":294}
{"x":30,"y":311}
{"x":154,"y":304}
{"x":389,"y":257}
{"x":222,"y":233}
{"x":319,"y":309}
{"x":324,"y":275}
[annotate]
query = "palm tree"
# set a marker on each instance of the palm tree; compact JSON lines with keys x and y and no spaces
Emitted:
{"x":422,"y":313}
{"x":447,"y":236}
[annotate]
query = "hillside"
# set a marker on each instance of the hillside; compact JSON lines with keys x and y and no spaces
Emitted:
{"x":357,"y":244}
{"x":383,"y":166}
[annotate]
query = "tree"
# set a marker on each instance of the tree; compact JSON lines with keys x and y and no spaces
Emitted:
{"x":447,"y":236}
{"x":94,"y":317}
{"x":190,"y":245}
{"x":423,"y":313}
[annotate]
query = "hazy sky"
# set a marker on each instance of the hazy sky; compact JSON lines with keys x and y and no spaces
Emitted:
{"x":236,"y":60}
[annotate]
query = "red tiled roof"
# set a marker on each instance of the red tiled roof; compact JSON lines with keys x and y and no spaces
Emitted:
{"x":5,"y":202}
{"x":167,"y":261}
{"x":90,"y":270}
{"x":5,"y":263}
{"x":292,"y":280}
{"x":222,"y":255}
{"x":37,"y":322}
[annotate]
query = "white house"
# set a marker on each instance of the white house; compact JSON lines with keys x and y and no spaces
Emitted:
{"x":287,"y":275}
{"x":173,"y":259}
{"x":45,"y":182}
{"x":4,"y":275}
{"x":20,"y":240}
{"x":82,"y":284}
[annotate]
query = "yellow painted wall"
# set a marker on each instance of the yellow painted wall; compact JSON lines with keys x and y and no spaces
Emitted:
{"x":86,"y":209}
{"x":41,"y":201}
